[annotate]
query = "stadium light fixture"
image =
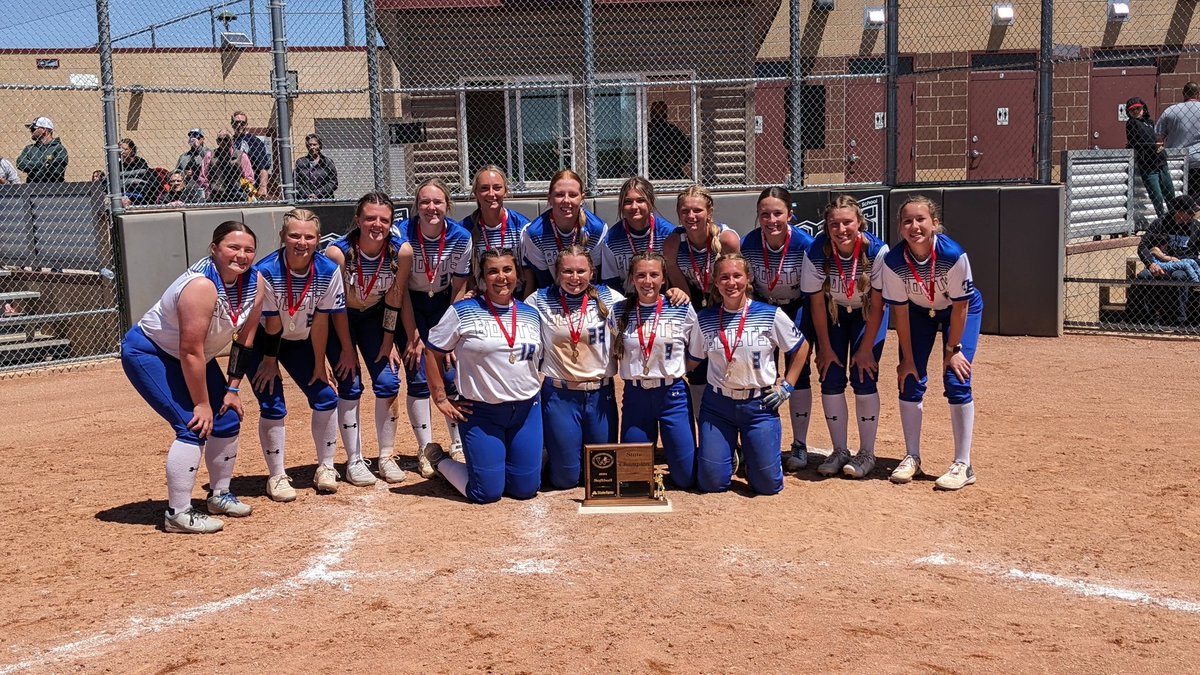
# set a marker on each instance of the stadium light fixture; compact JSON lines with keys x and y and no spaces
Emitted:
{"x":1003,"y":14}
{"x":1118,"y":11}
{"x":873,"y":18}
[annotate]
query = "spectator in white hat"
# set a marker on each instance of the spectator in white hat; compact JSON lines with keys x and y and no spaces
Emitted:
{"x":45,"y":159}
{"x":8,"y":172}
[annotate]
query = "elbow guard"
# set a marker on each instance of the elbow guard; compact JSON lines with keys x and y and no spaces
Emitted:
{"x":390,"y":316}
{"x":239,"y":358}
{"x":269,"y":342}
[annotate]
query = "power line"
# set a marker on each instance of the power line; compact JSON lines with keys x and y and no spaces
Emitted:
{"x":43,"y":17}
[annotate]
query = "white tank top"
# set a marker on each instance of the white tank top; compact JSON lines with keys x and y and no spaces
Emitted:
{"x":161,"y":322}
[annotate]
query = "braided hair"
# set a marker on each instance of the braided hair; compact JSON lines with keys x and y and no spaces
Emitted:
{"x":714,"y":230}
{"x":863,"y":281}
{"x":631,"y":301}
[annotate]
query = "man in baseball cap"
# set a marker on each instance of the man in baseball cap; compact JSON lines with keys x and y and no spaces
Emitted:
{"x":191,"y":160}
{"x":45,"y":159}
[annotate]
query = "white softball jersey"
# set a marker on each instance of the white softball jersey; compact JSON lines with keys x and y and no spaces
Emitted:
{"x":843,"y":280}
{"x":591,"y":357}
{"x":229,"y":315}
{"x":668,"y":352}
{"x":489,"y":369}
{"x":766,"y":329}
{"x":296,"y":298}
{"x":907,"y":279}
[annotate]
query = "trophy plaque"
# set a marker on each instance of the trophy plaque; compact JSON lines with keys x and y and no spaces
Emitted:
{"x":620,"y":478}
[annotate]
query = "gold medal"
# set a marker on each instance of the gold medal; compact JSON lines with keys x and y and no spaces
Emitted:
{"x":703,"y":302}
{"x":574,"y":352}
{"x":292,"y":326}
{"x":646,"y":368}
{"x":512,"y":358}
{"x":932,"y":313}
{"x":431,"y":292}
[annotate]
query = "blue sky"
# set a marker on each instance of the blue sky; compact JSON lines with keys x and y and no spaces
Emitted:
{"x":45,"y":24}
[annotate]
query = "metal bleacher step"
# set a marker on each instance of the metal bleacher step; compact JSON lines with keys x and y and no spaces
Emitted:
{"x":4,"y":273}
{"x":7,"y":350}
{"x":20,"y":295}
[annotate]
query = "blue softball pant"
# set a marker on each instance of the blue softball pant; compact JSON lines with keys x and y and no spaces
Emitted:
{"x":798,"y":311}
{"x":646,"y":412}
{"x":722,"y":420}
{"x":427,"y":312}
{"x":845,"y":338}
{"x":366,"y":335}
{"x":297,"y":358}
{"x":158,"y":377}
{"x":924,"y":331}
{"x":572,"y":419}
{"x":503,"y":445}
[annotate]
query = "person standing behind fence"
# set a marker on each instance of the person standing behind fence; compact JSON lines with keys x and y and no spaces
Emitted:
{"x":8,"y":173}
{"x":223,"y":170}
{"x":254,"y":147}
{"x":669,"y":148}
{"x":45,"y":159}
{"x":1149,"y":156}
{"x":316,"y":176}
{"x":138,"y":183}
{"x":1179,"y":127}
{"x":170,"y":358}
{"x":193,"y":158}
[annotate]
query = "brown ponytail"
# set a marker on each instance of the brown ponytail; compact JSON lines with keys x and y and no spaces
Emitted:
{"x":631,"y":301}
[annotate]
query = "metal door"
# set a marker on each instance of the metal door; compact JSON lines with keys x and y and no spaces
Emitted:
{"x":1111,"y":87}
{"x":1002,"y":125}
{"x":866,"y":131}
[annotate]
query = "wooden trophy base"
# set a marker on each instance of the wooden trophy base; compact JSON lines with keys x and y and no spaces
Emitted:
{"x":617,"y":506}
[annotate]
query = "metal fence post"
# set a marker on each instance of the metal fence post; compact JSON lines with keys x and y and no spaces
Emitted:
{"x":348,"y":22}
{"x":283,"y":134}
{"x":254,"y":26}
{"x":795,"y":90}
{"x":892,"y":45}
{"x":1046,"y":94}
{"x":589,"y":97}
{"x":378,"y":139}
{"x":109,"y":97}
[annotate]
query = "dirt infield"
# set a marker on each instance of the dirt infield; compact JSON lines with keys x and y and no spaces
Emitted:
{"x":1075,"y":552}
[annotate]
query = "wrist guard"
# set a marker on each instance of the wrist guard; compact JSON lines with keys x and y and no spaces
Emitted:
{"x":270,"y":343}
{"x":239,"y":358}
{"x":390,"y":317}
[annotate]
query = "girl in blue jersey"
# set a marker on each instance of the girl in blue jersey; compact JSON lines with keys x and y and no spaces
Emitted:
{"x":775,"y":252}
{"x":640,"y":230}
{"x":492,"y":225}
{"x":651,"y":351}
{"x":690,"y":254}
{"x":565,"y":223}
{"x":843,"y":275}
{"x":580,"y":404}
{"x":498,"y":342}
{"x":741,"y":339}
{"x":368,"y":258}
{"x":170,"y":358}
{"x":435,"y":262}
{"x":303,"y":288}
{"x":927,"y":281}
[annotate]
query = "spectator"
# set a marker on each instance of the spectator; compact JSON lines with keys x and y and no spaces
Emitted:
{"x":139,"y":183}
{"x":670,"y":148}
{"x":1169,"y":248}
{"x":316,"y":176}
{"x":252,"y":146}
{"x":223,"y":171}
{"x":45,"y":159}
{"x":98,"y":176}
{"x":180,"y":191}
{"x":190,"y":161}
{"x":1149,"y":155}
{"x":1179,"y":127}
{"x":8,"y":173}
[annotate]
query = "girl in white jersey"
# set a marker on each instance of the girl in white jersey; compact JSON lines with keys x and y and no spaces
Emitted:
{"x":741,"y":339}
{"x":578,"y":398}
{"x":498,"y":341}
{"x":170,"y":358}
{"x":690,"y":254}
{"x":303,"y":290}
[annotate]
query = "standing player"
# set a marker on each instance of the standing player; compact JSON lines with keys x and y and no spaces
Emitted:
{"x":170,"y":358}
{"x":927,"y":280}
{"x":843,"y":273}
{"x":741,"y":339}
{"x":775,"y":252}
{"x":565,"y":223}
{"x":492,"y":225}
{"x":580,"y":404}
{"x":303,"y":289}
{"x":651,"y":352}
{"x":437,"y":256}
{"x":368,"y":257}
{"x":639,"y":231}
{"x":690,"y":254}
{"x":498,"y":343}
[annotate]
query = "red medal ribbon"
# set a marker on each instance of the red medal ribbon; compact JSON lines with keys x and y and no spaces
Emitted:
{"x":912,"y":267}
{"x":707,"y":261}
{"x":648,"y":347}
{"x":431,"y":268}
{"x":782,"y":255}
{"x":312,"y":272}
{"x":235,"y":310}
{"x":364,"y":289}
{"x":849,"y":285}
{"x":576,"y":333}
{"x":737,"y":340}
{"x":629,"y":235}
{"x":558,"y":240}
{"x":512,"y":339}
{"x":503,"y":227}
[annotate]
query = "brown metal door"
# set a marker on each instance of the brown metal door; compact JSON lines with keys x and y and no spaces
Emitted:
{"x":1111,"y":87}
{"x":866,"y":131}
{"x":771,"y":161}
{"x":1002,"y":125}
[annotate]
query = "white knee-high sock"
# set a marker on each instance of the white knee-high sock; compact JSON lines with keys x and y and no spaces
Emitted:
{"x":324,"y":433}
{"x":866,"y":408}
{"x":455,"y":473}
{"x":271,"y":436}
{"x":452,"y":426}
{"x":836,"y":412}
{"x":347,"y":414}
{"x":800,"y":405}
{"x":418,"y":416}
{"x":911,"y":415}
{"x":962,"y":422}
{"x":697,"y":391}
{"x":385,"y":426}
{"x":220,"y":455}
{"x":183,"y":461}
